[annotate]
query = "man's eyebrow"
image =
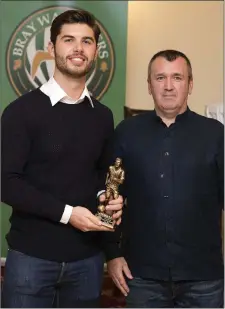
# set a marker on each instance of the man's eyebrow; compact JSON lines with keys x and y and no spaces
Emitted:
{"x":67,"y":36}
{"x":72,"y":37}
{"x":163,"y":73}
{"x":159,"y":74}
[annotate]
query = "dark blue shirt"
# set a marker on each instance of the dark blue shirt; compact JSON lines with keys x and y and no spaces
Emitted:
{"x":174,"y":190}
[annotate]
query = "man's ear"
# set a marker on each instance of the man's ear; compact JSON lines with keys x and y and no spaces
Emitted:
{"x":149,"y":86}
{"x":190,"y":86}
{"x":51,"y":49}
{"x":96,"y":53}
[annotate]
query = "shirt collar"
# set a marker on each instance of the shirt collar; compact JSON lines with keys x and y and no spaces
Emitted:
{"x":179,"y":117}
{"x":52,"y":89}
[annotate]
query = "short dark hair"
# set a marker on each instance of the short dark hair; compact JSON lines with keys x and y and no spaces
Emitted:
{"x":77,"y":16}
{"x":171,"y":55}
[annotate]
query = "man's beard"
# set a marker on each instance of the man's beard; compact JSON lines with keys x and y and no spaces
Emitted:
{"x":75,"y":72}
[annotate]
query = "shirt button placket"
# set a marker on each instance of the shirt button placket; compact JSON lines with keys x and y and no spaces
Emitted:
{"x":166,"y":154}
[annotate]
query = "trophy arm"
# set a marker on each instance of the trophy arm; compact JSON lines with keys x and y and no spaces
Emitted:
{"x":122,"y":177}
{"x":107,"y":179}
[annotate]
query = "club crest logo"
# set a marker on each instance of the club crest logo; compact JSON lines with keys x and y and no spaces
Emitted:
{"x":29,"y":64}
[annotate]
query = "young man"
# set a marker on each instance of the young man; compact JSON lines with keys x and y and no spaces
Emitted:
{"x":54,"y":162}
{"x":173,"y":159}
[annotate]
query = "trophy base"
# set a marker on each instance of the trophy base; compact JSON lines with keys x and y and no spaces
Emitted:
{"x":106,"y":220}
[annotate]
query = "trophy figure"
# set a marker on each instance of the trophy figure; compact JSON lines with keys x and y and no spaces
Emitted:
{"x":115,"y":177}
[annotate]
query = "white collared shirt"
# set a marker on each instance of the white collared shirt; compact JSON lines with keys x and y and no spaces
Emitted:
{"x":55,"y":93}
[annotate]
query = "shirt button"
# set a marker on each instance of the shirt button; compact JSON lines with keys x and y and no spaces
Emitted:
{"x":165,"y":196}
{"x":167,"y":153}
{"x":162,"y":175}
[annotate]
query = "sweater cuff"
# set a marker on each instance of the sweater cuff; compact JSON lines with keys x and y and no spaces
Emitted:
{"x":112,"y":251}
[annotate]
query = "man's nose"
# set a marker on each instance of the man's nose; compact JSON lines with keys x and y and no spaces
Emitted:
{"x":78,"y":46}
{"x":168,"y":84}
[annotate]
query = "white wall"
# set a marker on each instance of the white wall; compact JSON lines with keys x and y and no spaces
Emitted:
{"x":193,"y":27}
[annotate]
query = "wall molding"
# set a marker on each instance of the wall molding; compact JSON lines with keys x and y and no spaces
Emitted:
{"x":128,"y":112}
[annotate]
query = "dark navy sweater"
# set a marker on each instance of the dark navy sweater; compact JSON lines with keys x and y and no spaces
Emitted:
{"x":53,"y":156}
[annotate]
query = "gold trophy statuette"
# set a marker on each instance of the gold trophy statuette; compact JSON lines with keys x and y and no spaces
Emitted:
{"x":114,"y":178}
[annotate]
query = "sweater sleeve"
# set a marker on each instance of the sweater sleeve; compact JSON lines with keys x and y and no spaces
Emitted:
{"x":16,"y":190}
{"x":220,"y":164}
{"x":111,"y":244}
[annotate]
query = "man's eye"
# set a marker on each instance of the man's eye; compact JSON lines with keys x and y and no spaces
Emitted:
{"x":87,"y":41}
{"x":177,"y":78}
{"x":68,"y":40}
{"x":159,"y":78}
